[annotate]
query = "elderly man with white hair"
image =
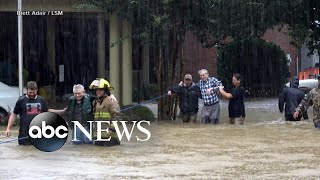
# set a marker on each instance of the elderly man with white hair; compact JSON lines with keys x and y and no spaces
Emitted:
{"x":209,"y":87}
{"x":79,"y":109}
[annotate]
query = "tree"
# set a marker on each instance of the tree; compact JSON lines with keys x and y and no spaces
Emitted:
{"x":163,"y":24}
{"x":262,"y":64}
{"x":217,"y":20}
{"x":304,"y":24}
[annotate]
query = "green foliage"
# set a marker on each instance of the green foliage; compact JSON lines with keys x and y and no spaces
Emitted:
{"x":150,"y":91}
{"x":298,"y":35}
{"x":303,"y":18}
{"x":17,"y":122}
{"x":238,"y":19}
{"x":215,"y":20}
{"x":147,"y":92}
{"x":163,"y":24}
{"x":138,"y":113}
{"x":262,"y":64}
{"x":149,"y":18}
{"x":4,"y":121}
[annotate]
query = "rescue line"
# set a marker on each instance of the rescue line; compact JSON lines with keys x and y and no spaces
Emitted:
{"x":126,"y":109}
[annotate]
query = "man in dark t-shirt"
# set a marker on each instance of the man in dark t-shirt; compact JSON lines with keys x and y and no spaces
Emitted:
{"x":27,"y":107}
{"x":236,"y":103}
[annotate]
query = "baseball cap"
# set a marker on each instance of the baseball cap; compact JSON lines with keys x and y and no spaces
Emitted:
{"x":188,"y":76}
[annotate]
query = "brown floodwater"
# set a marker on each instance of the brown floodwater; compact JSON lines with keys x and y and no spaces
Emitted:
{"x":266,"y":147}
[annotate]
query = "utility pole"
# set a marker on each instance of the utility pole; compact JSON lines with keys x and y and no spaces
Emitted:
{"x":20,"y":48}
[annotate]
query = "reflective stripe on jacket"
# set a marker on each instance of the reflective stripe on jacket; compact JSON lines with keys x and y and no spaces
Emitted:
{"x":107,"y":110}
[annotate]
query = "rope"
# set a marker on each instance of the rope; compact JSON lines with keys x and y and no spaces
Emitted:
{"x":11,"y":140}
{"x":17,"y":139}
{"x":125,"y":109}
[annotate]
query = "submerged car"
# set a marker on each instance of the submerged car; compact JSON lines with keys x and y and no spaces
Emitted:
{"x":8,"y":98}
{"x":306,"y":84}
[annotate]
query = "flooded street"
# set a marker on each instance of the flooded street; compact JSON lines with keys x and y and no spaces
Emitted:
{"x":86,"y":59}
{"x":266,"y":147}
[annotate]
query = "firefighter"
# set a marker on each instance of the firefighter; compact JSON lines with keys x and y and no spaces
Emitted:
{"x":105,"y":109}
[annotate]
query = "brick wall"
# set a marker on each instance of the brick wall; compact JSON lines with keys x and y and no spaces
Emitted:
{"x":196,"y":57}
{"x":281,"y":38}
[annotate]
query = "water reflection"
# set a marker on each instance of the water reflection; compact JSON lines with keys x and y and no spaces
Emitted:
{"x":266,"y":147}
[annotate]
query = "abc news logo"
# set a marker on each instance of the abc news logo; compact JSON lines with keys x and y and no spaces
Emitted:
{"x":49,"y":132}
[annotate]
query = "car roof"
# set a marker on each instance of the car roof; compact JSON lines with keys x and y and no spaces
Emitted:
{"x":306,"y":83}
{"x":310,"y":83}
{"x":4,"y":86}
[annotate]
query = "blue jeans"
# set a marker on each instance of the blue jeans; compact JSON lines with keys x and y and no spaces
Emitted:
{"x":23,"y":133}
{"x":80,"y":136}
{"x":317,"y":124}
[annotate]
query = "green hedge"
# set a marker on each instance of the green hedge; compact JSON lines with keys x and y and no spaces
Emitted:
{"x":262,"y":64}
{"x":4,"y":121}
{"x":138,"y":113}
{"x":146,"y":92}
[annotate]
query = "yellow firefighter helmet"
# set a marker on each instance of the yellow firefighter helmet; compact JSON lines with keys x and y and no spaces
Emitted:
{"x":100,"y":83}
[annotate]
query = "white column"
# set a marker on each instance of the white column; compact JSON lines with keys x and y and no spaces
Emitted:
{"x":114,"y":55}
{"x":126,"y":64}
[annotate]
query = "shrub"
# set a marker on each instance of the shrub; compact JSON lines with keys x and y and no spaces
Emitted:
{"x":4,"y":121}
{"x":148,"y":91}
{"x":138,"y":113}
{"x":262,"y":64}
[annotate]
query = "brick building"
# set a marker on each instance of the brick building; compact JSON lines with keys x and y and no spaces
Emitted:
{"x":198,"y":57}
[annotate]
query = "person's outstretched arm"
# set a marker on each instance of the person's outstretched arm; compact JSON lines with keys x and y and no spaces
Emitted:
{"x":224,"y":93}
{"x":304,"y":105}
{"x":58,"y":111}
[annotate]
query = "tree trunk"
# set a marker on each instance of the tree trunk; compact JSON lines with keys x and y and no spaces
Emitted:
{"x":173,"y":60}
{"x":160,"y":102}
{"x":180,"y":76}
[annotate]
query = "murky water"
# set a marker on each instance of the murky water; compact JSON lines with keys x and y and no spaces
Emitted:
{"x":265,"y":148}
